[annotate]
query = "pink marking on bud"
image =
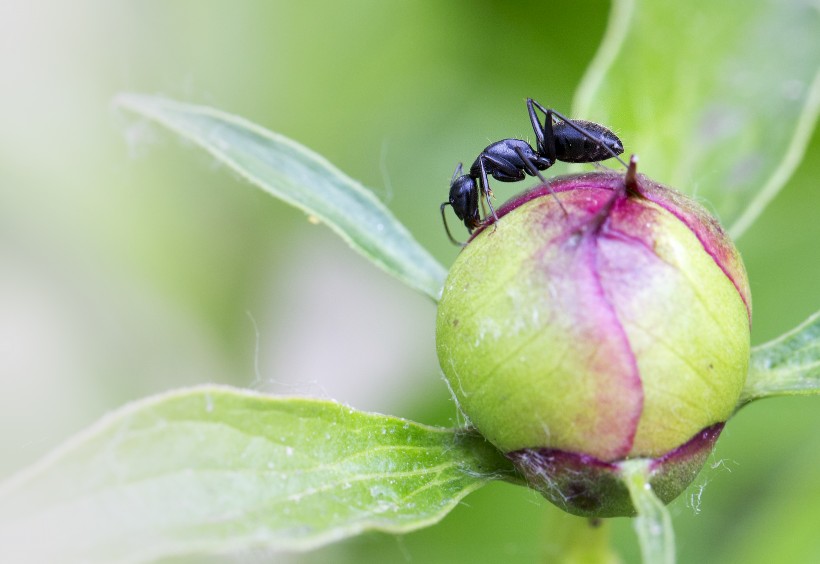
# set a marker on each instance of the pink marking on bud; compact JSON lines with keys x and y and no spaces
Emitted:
{"x":703,"y":225}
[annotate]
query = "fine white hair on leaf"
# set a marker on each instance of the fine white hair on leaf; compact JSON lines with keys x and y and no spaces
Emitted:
{"x":257,"y":376}
{"x":461,"y":418}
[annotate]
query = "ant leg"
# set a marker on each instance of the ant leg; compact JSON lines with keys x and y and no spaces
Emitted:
{"x":484,"y":185}
{"x":446,"y":228}
{"x":548,"y":130}
{"x":543,"y":134}
{"x":456,"y":174}
{"x":535,"y":172}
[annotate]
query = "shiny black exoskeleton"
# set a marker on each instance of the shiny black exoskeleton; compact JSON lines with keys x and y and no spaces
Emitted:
{"x":511,"y":160}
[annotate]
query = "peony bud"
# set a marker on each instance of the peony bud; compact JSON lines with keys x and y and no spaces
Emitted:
{"x":612,"y":329}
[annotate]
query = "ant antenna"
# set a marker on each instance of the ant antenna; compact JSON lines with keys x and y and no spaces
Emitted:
{"x":444,"y":219}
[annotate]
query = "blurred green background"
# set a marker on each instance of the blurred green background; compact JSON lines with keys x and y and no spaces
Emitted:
{"x":131,"y":263}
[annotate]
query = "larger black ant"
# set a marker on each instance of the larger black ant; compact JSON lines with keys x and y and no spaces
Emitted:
{"x":510,"y":160}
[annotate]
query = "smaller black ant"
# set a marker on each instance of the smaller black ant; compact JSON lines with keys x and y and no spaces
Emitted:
{"x":510,"y":160}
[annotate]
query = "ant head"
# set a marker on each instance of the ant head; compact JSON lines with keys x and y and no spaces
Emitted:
{"x":464,"y":201}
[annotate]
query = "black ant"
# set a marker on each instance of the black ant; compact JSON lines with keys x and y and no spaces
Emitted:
{"x":510,"y":160}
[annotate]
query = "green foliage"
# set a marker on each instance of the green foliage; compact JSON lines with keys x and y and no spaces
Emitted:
{"x":670,"y":94}
{"x":214,"y":469}
{"x":719,"y":100}
{"x":788,"y":365}
{"x":576,"y":540}
{"x":304,"y":179}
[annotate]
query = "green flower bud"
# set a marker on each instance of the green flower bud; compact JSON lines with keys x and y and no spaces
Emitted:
{"x":578,"y":336}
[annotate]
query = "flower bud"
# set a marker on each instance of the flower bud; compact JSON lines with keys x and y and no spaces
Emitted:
{"x":610,"y":327}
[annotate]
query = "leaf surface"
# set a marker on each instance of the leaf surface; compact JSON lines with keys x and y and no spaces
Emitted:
{"x":218,"y":470}
{"x":788,"y":365}
{"x":302,"y":178}
{"x":718,"y":99}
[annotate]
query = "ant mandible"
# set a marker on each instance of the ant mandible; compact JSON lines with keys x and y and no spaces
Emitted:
{"x":510,"y":160}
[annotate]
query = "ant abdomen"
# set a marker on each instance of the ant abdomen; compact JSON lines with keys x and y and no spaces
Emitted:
{"x":597,"y":143}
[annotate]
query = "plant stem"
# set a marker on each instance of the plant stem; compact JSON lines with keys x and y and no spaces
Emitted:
{"x":653,"y":523}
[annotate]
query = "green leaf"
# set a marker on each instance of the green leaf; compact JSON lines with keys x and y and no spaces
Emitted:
{"x":719,"y":100}
{"x":653,"y":523}
{"x":297,"y":175}
{"x":219,"y":470}
{"x":788,"y":365}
